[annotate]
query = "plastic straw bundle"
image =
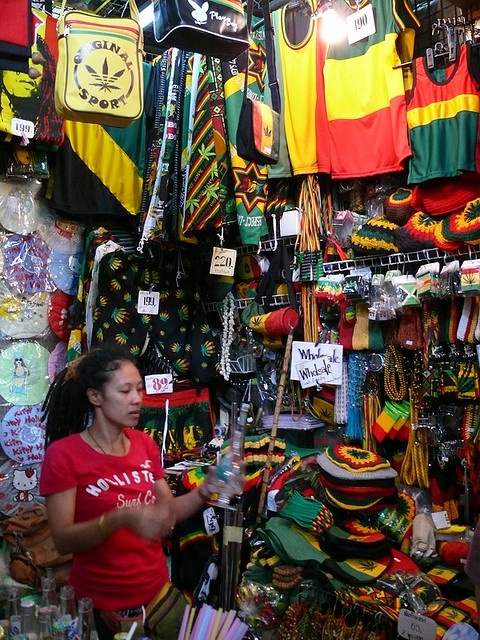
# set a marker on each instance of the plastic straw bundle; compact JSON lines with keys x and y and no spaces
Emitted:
{"x":308,"y":513}
{"x":208,"y":623}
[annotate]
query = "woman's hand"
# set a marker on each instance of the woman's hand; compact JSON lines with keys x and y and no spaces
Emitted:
{"x":151,"y":522}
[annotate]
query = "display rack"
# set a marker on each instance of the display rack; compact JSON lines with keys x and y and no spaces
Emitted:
{"x":399,"y":259}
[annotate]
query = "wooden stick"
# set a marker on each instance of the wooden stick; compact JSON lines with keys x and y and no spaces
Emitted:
{"x":273,"y":433}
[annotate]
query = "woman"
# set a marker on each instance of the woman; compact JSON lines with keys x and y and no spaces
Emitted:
{"x":106,"y":496}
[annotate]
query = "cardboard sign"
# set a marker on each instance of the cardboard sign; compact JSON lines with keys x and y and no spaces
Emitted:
{"x":316,"y":364}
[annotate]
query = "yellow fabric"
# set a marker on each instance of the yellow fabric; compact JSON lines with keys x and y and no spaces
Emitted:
{"x":437,"y":110}
{"x":298,"y":62}
{"x":358,"y":87}
{"x":86,"y":139}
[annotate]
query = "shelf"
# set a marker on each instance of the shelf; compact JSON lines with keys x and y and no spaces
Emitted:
{"x":399,"y":259}
{"x":279,"y":300}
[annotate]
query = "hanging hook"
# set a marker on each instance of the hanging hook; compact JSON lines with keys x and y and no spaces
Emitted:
{"x":221,"y":236}
{"x":180,"y":270}
{"x":275,"y":238}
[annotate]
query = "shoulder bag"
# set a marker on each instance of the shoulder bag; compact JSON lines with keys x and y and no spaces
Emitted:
{"x":258,"y":132}
{"x":100,"y":67}
{"x":215,"y":28}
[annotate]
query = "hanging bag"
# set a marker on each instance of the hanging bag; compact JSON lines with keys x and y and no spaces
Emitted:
{"x":99,"y":75}
{"x":215,"y":28}
{"x":258,"y":132}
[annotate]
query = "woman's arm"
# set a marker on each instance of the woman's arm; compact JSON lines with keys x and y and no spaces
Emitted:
{"x":71,"y":537}
{"x":151,"y":522}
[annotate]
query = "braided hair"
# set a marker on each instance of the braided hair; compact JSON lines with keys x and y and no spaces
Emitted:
{"x":67,"y":409}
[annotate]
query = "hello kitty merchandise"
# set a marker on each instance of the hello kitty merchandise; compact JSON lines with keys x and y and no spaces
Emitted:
{"x":24,"y":481}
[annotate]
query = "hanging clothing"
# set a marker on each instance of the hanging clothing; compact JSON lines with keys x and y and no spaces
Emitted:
{"x":206,"y":174}
{"x":365,"y":93}
{"x":32,"y":99}
{"x":300,"y":56}
{"x":92,"y":164}
{"x":250,"y":179}
{"x":443,"y":118}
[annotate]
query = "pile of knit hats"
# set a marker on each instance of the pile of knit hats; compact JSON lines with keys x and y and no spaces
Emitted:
{"x":356,"y":479}
{"x":440,"y":213}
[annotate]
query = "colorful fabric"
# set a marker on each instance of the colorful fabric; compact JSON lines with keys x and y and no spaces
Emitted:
{"x":441,"y":197}
{"x":355,"y":459}
{"x":206,"y":164}
{"x":443,"y":104}
{"x":301,"y":54}
{"x":417,"y":233}
{"x":464,"y":226}
{"x":369,"y":116}
{"x":376,"y":236}
{"x":250,"y":180}
{"x":88,"y":182}
{"x":398,"y":207}
{"x":32,"y":99}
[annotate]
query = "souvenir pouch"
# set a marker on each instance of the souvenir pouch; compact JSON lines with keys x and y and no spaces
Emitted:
{"x":164,"y":613}
{"x":216,"y":28}
{"x":99,"y":75}
{"x":275,"y":323}
{"x":258,"y":132}
{"x":470,"y":278}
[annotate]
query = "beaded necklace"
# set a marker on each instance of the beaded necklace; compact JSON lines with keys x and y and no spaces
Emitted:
{"x":394,"y":379}
{"x":228,"y":325}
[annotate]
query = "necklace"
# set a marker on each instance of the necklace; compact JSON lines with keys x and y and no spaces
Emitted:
{"x":97,"y":443}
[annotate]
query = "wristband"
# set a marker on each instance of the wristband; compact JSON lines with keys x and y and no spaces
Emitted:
{"x":103,"y":526}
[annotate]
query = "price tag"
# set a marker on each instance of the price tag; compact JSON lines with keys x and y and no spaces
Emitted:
{"x":148,"y":302}
{"x":223,"y":261}
{"x":22,"y":128}
{"x":440,"y":518}
{"x":413,"y":626}
{"x":361,"y":24}
{"x":158,"y":383}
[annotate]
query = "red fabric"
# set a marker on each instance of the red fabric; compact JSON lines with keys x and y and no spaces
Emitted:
{"x":446,"y":195}
{"x":124,"y":571}
{"x":16,"y":25}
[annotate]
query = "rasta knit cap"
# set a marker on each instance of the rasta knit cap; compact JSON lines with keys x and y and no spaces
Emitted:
{"x":445,"y":196}
{"x":417,"y":233}
{"x":441,"y":242}
{"x":464,"y":226}
{"x":398,"y":207}
{"x":375,"y":237}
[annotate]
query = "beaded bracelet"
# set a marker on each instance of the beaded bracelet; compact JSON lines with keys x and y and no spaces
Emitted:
{"x":103,"y":526}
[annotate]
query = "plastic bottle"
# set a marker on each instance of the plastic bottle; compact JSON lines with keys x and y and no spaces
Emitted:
{"x":229,"y":471}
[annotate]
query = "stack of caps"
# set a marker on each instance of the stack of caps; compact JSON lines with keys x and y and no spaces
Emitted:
{"x":308,"y":513}
{"x":256,"y":449}
{"x":356,"y":479}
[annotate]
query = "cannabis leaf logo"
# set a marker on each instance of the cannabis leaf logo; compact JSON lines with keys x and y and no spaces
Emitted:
{"x":105,"y":80}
